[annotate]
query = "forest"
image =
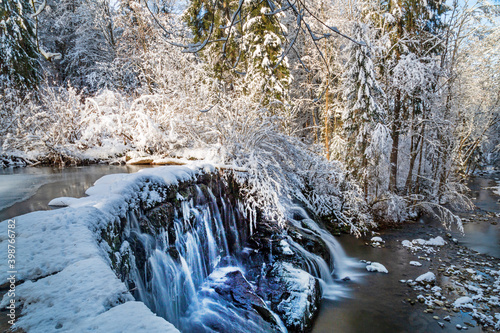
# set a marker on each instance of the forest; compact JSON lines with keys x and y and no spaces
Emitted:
{"x":285,"y":124}
{"x":401,"y":99}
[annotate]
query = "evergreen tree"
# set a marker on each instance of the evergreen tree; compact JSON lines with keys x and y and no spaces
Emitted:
{"x":246,"y":41}
{"x":362,"y":112}
{"x":267,"y":73}
{"x":409,"y":29}
{"x":19,"y":55}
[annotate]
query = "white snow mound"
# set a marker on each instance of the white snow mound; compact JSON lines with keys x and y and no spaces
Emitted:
{"x":463,"y":302}
{"x":427,"y":277}
{"x":377,"y":240}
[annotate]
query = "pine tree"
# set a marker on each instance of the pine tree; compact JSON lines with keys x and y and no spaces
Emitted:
{"x":362,"y":112}
{"x":19,"y":54}
{"x":267,"y":73}
{"x":246,"y":42}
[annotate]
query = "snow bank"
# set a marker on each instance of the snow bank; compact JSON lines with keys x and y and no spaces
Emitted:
{"x":376,"y":267}
{"x":74,"y":287}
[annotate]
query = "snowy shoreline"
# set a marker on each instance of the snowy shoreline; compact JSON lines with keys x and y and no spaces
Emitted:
{"x":65,"y":269}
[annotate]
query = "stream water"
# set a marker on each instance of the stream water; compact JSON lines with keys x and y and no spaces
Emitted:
{"x":374,"y":302}
{"x":24,"y":190}
{"x":377,"y":303}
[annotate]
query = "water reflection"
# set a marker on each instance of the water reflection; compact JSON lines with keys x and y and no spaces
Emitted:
{"x":23,"y":190}
{"x":481,"y":235}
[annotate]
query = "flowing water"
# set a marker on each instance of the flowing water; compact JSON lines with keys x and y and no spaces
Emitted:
{"x":207,"y":243}
{"x":376,"y":302}
{"x":178,"y":267}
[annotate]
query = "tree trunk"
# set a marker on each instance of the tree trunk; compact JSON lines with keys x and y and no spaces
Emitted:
{"x":396,"y":124}
{"x":327,"y":143}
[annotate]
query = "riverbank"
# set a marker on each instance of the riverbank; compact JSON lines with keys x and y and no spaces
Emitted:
{"x":462,"y":267}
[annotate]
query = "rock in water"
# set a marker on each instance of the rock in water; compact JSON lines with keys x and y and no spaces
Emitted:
{"x":428,"y":277}
{"x":376,"y":267}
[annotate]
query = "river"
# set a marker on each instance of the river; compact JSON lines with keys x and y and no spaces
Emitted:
{"x":376,"y":302}
{"x":24,"y":190}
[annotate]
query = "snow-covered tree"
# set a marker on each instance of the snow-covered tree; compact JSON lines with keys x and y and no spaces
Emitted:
{"x":19,"y":64}
{"x":83,"y":33}
{"x":362,"y":113}
{"x":267,"y":70}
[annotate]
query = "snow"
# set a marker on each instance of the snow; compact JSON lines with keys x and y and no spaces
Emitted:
{"x":406,"y":243}
{"x":219,"y":275}
{"x":496,"y":189}
{"x":62,"y":252}
{"x":427,"y":246}
{"x":128,"y":317}
{"x":299,"y":284}
{"x":62,"y":201}
{"x":377,"y":240}
{"x":286,"y":247}
{"x":415,"y":263}
{"x":427,"y":277}
{"x":437,"y":241}
{"x":462,"y":302}
{"x":376,"y":267}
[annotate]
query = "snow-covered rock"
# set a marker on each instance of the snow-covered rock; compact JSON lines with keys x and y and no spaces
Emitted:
{"x":376,"y":267}
{"x":415,"y":263}
{"x":298,"y":309}
{"x":428,"y":277}
{"x":463,"y":302}
{"x":377,"y":240}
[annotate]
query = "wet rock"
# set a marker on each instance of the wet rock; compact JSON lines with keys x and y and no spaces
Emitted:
{"x":236,"y":304}
{"x":294,"y":295}
{"x":140,"y":161}
{"x":162,"y":217}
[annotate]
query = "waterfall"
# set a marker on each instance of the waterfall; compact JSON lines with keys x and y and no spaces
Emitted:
{"x":178,"y":269}
{"x":340,"y":265}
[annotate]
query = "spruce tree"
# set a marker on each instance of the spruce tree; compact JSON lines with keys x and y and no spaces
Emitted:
{"x":267,"y":74}
{"x":246,"y":42}
{"x":19,"y":54}
{"x":362,"y":112}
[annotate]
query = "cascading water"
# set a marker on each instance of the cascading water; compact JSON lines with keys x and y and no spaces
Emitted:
{"x":187,"y":269}
{"x":340,"y":265}
{"x":177,"y":266}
